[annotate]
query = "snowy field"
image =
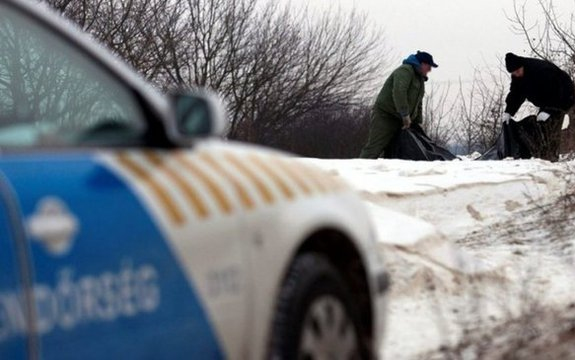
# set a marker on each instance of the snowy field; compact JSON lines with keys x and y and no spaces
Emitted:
{"x":480,"y":254}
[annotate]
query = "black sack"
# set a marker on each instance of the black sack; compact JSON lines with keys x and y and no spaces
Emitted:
{"x":414,"y":144}
{"x":513,"y":140}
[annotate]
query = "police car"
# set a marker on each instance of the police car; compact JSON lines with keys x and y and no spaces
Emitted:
{"x":127,"y":232}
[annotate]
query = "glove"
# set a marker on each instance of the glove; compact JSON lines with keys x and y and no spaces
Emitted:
{"x":406,"y":122}
{"x":543,"y":116}
{"x":505,"y":118}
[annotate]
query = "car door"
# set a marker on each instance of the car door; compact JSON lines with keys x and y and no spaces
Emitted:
{"x":107,"y":283}
{"x":16,"y":339}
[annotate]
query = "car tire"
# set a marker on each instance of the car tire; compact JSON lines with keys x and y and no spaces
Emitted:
{"x":314,"y":316}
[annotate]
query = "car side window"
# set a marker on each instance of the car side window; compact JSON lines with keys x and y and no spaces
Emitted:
{"x":53,"y":95}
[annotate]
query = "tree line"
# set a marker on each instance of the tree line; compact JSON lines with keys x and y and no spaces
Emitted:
{"x":298,"y":81}
{"x":284,"y":73}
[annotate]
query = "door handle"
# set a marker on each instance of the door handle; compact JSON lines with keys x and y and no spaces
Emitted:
{"x":53,"y":226}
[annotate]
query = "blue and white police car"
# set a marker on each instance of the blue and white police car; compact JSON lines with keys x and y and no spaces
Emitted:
{"x":126,"y":232}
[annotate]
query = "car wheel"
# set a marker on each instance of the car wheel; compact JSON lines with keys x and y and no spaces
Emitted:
{"x":315,"y":318}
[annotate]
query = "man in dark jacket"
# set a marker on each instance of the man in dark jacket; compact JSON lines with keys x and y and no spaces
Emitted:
{"x":547,"y":87}
{"x":399,"y":103}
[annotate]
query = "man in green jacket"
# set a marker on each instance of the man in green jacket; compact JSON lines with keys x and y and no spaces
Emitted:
{"x":399,"y":103}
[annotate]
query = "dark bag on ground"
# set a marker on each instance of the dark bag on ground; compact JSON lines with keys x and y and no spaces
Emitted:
{"x":414,"y":144}
{"x":514,"y":140}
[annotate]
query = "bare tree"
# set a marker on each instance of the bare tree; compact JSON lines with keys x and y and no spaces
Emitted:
{"x":480,"y":107}
{"x":271,"y":64}
{"x":139,"y":31}
{"x":438,"y":110}
{"x":347,"y":128}
{"x":550,"y":37}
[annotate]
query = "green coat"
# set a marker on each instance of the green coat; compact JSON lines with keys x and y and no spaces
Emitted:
{"x":402,"y":94}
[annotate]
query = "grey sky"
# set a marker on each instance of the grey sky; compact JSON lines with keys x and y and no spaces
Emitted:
{"x":460,"y":34}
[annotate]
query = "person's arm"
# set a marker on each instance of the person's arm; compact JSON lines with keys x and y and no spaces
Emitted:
{"x":419,"y":116}
{"x":400,"y":86}
{"x":515,"y":98}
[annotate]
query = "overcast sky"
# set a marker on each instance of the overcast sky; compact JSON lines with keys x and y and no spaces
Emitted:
{"x":460,"y":34}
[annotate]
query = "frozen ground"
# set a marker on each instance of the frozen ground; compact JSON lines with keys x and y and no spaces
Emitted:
{"x":480,"y":253}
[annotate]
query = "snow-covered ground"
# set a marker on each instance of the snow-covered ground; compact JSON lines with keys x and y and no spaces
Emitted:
{"x":480,"y":253}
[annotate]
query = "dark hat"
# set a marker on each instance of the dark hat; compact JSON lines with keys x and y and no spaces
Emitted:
{"x":513,"y":62}
{"x":424,"y":57}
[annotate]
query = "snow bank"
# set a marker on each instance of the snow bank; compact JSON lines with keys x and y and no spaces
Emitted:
{"x":452,"y":197}
{"x":441,"y":289}
{"x":418,"y":205}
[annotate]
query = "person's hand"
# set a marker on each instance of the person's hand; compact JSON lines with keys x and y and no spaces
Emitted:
{"x":406,"y":122}
{"x":505,"y":118}
{"x":543,"y":116}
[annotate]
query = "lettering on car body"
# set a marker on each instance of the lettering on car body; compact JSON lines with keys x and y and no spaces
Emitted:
{"x":222,"y":282}
{"x":71,"y":302}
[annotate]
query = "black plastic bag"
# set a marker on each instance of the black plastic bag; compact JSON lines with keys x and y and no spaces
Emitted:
{"x":513,"y":141}
{"x":414,"y":144}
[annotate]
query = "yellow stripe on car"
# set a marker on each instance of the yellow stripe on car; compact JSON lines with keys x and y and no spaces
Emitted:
{"x":217,"y":193}
{"x":164,"y":198}
{"x":313,"y":176}
{"x":189,"y":192}
{"x":263,"y":189}
{"x":239,"y":189}
{"x":203,"y":184}
{"x":267,"y":169}
{"x":297,"y":176}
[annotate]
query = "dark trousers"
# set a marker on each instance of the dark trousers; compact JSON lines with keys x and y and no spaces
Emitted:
{"x":382,"y":130}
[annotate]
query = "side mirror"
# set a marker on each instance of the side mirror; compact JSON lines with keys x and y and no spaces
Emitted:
{"x":199,"y":114}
